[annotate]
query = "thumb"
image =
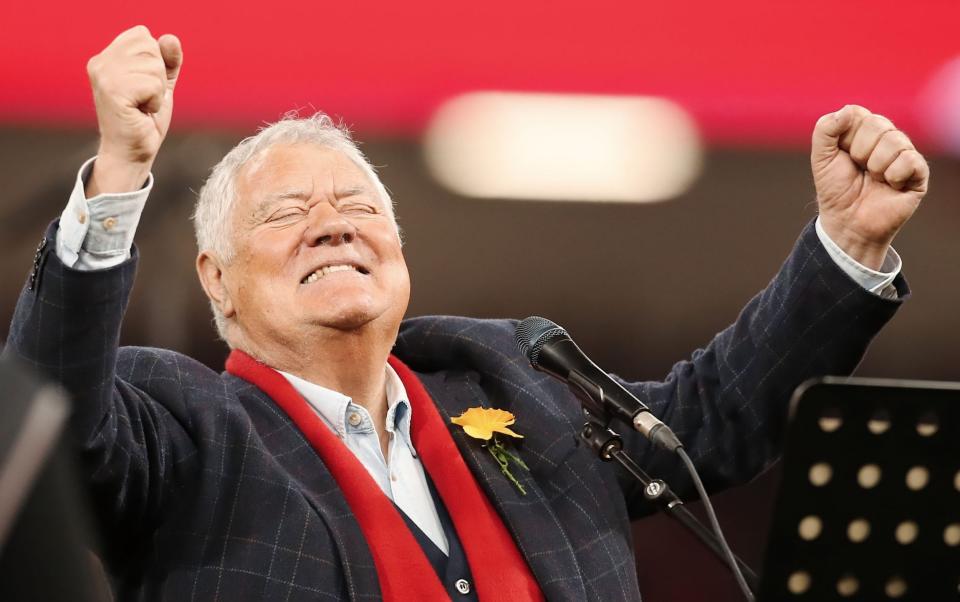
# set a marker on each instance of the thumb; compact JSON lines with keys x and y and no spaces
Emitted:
{"x":828,"y":132}
{"x":172,"y":53}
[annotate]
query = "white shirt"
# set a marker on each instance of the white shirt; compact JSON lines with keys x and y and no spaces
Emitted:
{"x":400,"y":475}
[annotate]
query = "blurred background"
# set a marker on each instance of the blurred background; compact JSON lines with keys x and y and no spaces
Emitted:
{"x":635,"y":171}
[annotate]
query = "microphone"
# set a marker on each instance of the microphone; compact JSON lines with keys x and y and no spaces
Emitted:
{"x":551,"y":350}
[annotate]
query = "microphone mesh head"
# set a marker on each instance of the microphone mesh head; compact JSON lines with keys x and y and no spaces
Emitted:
{"x":533,"y":333}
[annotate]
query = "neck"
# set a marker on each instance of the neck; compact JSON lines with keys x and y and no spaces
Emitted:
{"x":352,"y":363}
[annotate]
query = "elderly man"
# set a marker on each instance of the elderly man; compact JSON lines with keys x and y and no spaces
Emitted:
{"x":320,"y":466}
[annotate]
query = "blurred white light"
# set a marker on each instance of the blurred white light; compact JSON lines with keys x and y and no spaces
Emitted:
{"x":939,"y":107}
{"x":563,"y":147}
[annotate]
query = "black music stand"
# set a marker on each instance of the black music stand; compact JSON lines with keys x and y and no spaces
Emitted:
{"x":869,"y":504}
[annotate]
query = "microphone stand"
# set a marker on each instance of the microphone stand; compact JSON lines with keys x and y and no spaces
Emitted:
{"x":609,"y":447}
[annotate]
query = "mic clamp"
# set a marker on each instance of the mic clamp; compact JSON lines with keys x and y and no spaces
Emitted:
{"x":594,"y":400}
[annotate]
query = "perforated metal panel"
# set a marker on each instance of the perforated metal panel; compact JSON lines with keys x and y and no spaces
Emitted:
{"x":869,"y":506}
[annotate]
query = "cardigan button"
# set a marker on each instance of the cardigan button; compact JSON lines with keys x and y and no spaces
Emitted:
{"x":463,"y":586}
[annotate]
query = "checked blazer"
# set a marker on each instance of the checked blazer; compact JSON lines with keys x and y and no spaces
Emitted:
{"x":205,"y":490}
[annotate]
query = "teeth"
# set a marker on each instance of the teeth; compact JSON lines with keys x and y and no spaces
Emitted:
{"x":327,"y":270}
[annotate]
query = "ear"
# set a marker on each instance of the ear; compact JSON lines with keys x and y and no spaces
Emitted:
{"x":213,"y":280}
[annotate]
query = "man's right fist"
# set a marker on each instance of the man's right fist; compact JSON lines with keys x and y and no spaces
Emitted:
{"x":133,"y":81}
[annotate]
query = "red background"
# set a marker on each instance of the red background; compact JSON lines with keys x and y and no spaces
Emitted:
{"x":751,"y":72}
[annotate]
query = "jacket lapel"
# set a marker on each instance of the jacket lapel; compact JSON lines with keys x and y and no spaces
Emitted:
{"x":530,"y":519}
{"x":295,"y":455}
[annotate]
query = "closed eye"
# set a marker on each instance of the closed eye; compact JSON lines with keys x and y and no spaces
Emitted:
{"x":285,"y":214}
{"x":358,"y":209}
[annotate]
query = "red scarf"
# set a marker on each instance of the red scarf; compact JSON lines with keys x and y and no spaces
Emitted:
{"x":499,"y":570}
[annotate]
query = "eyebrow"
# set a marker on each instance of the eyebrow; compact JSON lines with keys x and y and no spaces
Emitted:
{"x":293,"y":193}
{"x":303,"y":194}
{"x":350,"y":191}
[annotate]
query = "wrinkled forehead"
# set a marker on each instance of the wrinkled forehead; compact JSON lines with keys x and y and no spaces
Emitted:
{"x":301,"y":168}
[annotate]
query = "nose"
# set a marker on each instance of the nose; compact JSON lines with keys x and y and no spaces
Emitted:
{"x":328,"y":227}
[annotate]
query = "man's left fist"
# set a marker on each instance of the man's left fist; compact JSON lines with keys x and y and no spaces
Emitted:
{"x":869,"y":179}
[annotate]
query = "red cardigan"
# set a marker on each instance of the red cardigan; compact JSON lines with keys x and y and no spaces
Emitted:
{"x":499,"y":570}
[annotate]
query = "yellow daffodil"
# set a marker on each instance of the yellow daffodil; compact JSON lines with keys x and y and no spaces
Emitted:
{"x":482,"y":423}
{"x":485,"y":423}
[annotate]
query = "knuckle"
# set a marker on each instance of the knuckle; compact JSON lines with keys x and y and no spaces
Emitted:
{"x":898,"y":134}
{"x":890,"y":138}
{"x":895,"y":141}
{"x":879,"y":122}
{"x":859,"y":115}
{"x":907,"y":158}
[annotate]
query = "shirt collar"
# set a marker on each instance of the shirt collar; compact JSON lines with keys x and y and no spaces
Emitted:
{"x":335,"y":407}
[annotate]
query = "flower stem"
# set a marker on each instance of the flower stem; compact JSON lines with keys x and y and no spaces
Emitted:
{"x":503,"y":457}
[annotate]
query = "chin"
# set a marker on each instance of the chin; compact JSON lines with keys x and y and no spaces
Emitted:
{"x":353,"y":317}
{"x":347,"y":312}
{"x":349,"y":322}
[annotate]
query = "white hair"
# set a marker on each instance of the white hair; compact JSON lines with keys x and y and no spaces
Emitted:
{"x":211,"y":218}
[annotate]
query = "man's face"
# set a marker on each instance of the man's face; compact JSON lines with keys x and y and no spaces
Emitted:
{"x":315,"y":246}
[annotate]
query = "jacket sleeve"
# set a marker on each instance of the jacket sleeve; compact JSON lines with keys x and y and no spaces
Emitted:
{"x":728,"y":403}
{"x":67,"y":325}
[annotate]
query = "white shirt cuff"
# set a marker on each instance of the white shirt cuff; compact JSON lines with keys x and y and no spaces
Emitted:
{"x":878,"y":282}
{"x":97,"y":233}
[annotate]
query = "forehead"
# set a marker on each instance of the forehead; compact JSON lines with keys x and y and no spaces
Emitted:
{"x":298,"y":167}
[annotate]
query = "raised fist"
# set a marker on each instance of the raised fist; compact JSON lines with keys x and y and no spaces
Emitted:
{"x":869,"y":179}
{"x":133,"y":81}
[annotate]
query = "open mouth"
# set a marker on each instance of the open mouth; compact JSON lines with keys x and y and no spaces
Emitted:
{"x":330,"y":269}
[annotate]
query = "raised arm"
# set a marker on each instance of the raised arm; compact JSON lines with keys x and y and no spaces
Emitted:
{"x":68,"y":317}
{"x":729,"y":401}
